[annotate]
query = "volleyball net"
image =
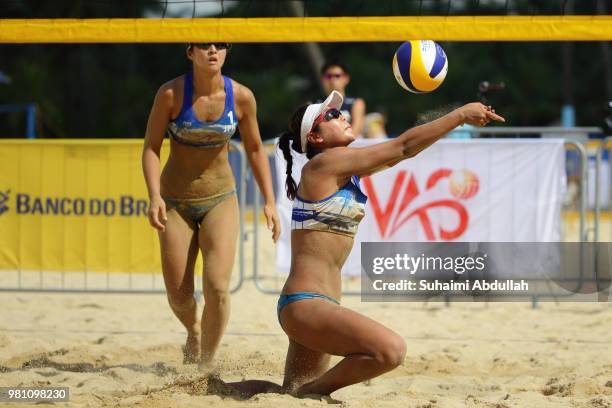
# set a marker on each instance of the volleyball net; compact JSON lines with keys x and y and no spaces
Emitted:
{"x":308,"y":29}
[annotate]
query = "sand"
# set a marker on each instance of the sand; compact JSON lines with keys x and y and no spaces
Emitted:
{"x":124,"y":350}
{"x":116,"y":350}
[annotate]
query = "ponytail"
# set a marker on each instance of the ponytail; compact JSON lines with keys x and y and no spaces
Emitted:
{"x":284,"y":144}
{"x":287,"y":141}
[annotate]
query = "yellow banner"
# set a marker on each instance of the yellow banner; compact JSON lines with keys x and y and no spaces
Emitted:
{"x":316,"y":29}
{"x":75,"y":205}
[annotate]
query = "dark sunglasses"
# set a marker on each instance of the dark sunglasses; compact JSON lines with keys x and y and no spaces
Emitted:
{"x":331,"y":76}
{"x":218,"y":46}
{"x":326,"y":116}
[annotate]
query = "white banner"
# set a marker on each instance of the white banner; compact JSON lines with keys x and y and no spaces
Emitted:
{"x":456,"y":190}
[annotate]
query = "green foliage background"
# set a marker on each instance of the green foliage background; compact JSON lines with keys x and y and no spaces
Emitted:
{"x":106,"y":90}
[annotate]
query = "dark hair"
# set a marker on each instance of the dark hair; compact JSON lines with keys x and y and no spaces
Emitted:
{"x":330,"y":64}
{"x":290,"y":139}
{"x":191,"y":45}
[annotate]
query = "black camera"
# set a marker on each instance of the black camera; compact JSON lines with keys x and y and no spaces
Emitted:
{"x":486,"y":89}
{"x":607,"y":125}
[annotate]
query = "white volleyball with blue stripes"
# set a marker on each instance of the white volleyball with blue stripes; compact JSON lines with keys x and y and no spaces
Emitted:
{"x":420,"y":66}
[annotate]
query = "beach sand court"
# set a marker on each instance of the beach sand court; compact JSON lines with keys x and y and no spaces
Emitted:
{"x":124,"y":350}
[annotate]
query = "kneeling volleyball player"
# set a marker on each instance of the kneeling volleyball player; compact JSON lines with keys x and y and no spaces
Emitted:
{"x":328,"y":205}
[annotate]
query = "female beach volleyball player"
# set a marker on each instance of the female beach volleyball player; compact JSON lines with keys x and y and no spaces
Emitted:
{"x":328,"y":205}
{"x":193,"y":204}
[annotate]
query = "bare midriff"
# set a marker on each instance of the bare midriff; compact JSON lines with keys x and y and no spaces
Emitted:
{"x":316,"y":260}
{"x":193,"y":172}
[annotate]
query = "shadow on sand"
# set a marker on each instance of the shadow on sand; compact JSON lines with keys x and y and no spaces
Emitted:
{"x":246,"y":389}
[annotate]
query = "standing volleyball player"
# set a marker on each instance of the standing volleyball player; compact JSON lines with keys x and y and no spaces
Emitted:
{"x":328,"y":206}
{"x":193,"y":203}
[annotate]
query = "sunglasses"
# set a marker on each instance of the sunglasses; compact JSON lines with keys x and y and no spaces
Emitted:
{"x":218,"y":46}
{"x":332,"y":76}
{"x":326,"y":116}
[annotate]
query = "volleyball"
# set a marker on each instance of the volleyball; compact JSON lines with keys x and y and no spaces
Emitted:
{"x":420,"y":66}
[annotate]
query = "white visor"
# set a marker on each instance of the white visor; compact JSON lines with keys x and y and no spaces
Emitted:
{"x":334,"y":100}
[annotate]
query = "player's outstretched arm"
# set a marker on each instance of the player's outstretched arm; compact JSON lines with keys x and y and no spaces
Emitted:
{"x":347,"y":161}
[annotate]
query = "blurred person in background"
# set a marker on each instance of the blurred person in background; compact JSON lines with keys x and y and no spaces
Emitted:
{"x":375,"y":126}
{"x":335,"y":77}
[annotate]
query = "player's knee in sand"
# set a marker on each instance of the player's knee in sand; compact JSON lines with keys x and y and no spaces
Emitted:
{"x":391,"y":351}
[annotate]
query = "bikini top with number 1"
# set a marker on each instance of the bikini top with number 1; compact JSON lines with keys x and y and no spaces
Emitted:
{"x":188,"y":130}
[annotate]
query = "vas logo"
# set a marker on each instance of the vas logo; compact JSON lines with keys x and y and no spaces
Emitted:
{"x":400,"y":208}
{"x":4,"y":196}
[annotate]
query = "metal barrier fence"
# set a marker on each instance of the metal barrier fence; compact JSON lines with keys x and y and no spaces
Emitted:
{"x":30,"y":113}
{"x":271,"y":283}
{"x":124,"y":282}
{"x":605,"y":145}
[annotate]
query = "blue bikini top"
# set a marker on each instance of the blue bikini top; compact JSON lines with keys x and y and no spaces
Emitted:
{"x":187,"y":129}
{"x":340,"y":213}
